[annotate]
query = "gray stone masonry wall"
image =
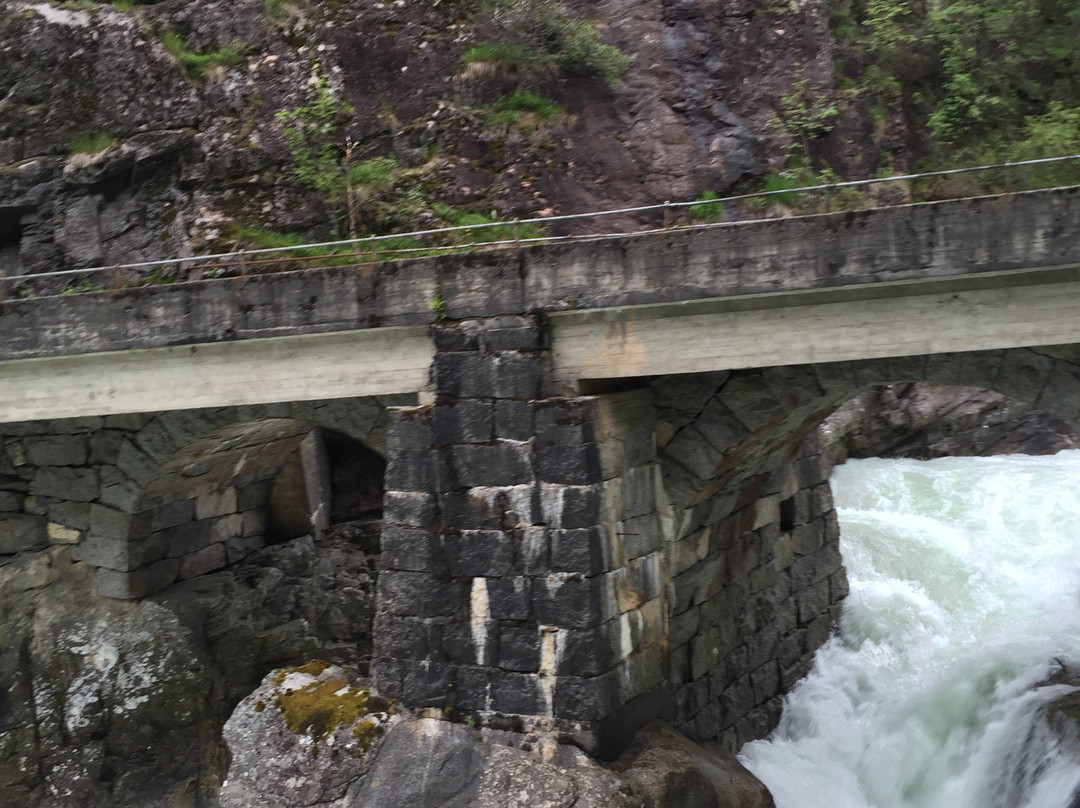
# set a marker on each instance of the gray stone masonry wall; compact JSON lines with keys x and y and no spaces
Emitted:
{"x":756,"y":573}
{"x":209,"y":507}
{"x":750,"y":615}
{"x":521,"y":568}
{"x":102,"y":490}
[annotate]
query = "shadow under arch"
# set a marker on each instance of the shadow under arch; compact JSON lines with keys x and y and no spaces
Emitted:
{"x":752,"y":550}
{"x":203,"y":489}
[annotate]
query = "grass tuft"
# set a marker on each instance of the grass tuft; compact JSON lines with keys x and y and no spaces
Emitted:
{"x":198,"y":64}
{"x":90,"y":143}
{"x":522,"y":104}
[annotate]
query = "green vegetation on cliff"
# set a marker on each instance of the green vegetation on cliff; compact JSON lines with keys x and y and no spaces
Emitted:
{"x":976,"y":80}
{"x":199,"y":63}
{"x":538,"y":37}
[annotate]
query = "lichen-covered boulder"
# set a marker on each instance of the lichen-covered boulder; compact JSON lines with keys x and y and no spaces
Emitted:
{"x":305,"y":737}
{"x":102,"y":702}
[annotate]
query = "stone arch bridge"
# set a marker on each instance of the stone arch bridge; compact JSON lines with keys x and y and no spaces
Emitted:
{"x":601,"y":496}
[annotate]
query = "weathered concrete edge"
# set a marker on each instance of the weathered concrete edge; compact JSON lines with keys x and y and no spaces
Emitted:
{"x":817,"y":327}
{"x":951,"y":238}
{"x":302,"y":367}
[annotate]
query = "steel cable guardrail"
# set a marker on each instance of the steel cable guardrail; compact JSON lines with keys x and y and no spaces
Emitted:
{"x":366,"y":249}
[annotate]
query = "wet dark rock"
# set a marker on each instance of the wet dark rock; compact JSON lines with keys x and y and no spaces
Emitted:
{"x":924,"y":420}
{"x":432,"y":762}
{"x":121,"y":704}
{"x":674,"y":772}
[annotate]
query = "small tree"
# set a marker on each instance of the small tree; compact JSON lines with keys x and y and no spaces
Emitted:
{"x":313,"y":132}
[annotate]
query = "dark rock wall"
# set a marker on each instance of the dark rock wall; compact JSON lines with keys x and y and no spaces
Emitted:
{"x":195,"y":157}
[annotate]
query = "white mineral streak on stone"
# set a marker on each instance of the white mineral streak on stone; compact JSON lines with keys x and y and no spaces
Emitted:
{"x":551,"y":503}
{"x":295,"y":680}
{"x":553,"y":583}
{"x":551,"y":648}
{"x":62,"y":16}
{"x":626,"y":646}
{"x":240,"y":464}
{"x":626,"y":636}
{"x":479,"y":615}
{"x":62,"y":534}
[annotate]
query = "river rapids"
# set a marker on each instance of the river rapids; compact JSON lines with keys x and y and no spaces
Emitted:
{"x":965,"y":598}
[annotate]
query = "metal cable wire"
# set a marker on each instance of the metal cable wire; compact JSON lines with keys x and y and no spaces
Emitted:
{"x":239,"y":259}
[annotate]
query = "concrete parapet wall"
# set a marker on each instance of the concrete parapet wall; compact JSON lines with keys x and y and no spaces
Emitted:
{"x":953,"y":238}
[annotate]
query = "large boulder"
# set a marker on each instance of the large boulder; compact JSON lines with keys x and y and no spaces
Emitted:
{"x":305,"y":737}
{"x":427,"y":761}
{"x":436,"y":763}
{"x":102,"y":702}
{"x":121,"y":704}
{"x":674,"y":772}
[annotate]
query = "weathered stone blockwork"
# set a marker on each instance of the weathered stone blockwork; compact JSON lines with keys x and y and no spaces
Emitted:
{"x":522,"y":565}
{"x":583,"y":561}
{"x":115,"y":489}
{"x":756,"y":574}
{"x":748,"y":618}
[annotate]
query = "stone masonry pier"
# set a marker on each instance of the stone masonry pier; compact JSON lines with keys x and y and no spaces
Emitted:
{"x":602,"y":499}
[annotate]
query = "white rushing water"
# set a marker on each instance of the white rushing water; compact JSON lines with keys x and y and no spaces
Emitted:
{"x":965,"y":587}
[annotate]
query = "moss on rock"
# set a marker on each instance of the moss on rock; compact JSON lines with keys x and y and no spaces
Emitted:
{"x":319,"y":708}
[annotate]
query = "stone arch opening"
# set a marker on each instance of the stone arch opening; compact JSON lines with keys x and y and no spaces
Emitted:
{"x":243,"y":486}
{"x":169,"y":665}
{"x":153,"y":464}
{"x":756,"y":576}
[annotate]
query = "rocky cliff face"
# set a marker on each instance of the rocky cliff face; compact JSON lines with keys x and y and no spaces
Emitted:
{"x":135,"y":132}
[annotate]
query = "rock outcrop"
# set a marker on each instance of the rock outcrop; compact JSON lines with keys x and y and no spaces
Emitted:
{"x":334,"y":751}
{"x":116,"y":148}
{"x":104,"y":702}
{"x":924,"y":420}
{"x":121,"y":704}
{"x":304,"y":738}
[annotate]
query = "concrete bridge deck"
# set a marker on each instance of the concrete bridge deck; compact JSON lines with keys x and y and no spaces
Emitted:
{"x":988,"y":272}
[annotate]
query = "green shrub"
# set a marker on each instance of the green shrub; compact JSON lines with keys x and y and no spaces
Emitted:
{"x":775,"y":183}
{"x":377,"y":172}
{"x":313,"y":133}
{"x":974,"y":77}
{"x":198,"y":64}
{"x":90,"y":143}
{"x":495,"y":231}
{"x":261,"y":238}
{"x":509,"y":109}
{"x":541,"y":36}
{"x":710,"y":212}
